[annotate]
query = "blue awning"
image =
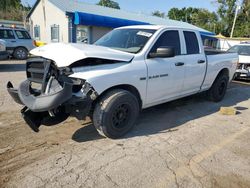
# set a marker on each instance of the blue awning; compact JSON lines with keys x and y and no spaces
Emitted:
{"x":81,"y":18}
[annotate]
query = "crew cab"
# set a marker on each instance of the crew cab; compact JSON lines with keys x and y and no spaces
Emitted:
{"x":129,"y":69}
{"x":243,"y":68}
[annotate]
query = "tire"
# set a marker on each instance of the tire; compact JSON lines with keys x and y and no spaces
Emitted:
{"x":116,"y":113}
{"x":218,"y":90}
{"x":20,"y":53}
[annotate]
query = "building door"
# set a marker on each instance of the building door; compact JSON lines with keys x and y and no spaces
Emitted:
{"x":82,"y":34}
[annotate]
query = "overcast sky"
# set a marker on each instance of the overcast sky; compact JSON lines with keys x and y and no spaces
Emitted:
{"x":148,"y":6}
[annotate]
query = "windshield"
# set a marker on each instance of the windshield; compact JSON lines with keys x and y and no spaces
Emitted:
{"x":241,"y":50}
{"x":127,"y":40}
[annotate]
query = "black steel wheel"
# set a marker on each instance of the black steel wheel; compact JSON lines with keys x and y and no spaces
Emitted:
{"x":218,"y":90}
{"x":121,"y":116}
{"x":116,"y":113}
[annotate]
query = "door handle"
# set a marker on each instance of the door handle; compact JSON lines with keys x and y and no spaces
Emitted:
{"x":179,"y":64}
{"x":201,"y":61}
{"x":13,"y":41}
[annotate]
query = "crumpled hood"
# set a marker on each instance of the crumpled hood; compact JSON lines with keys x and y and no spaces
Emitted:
{"x":66,"y":54}
{"x":244,"y":59}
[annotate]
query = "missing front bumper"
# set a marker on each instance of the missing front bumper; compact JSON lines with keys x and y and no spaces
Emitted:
{"x":49,"y":109}
{"x":39,"y":103}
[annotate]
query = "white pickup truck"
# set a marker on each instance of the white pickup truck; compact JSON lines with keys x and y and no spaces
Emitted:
{"x":129,"y":69}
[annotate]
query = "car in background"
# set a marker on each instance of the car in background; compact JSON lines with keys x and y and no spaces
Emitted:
{"x":18,"y":41}
{"x":3,"y":53}
{"x":243,"y":68}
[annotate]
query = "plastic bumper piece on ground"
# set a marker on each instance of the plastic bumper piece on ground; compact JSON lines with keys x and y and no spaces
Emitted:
{"x":36,"y":107}
{"x":43,"y":102}
{"x":13,"y":93}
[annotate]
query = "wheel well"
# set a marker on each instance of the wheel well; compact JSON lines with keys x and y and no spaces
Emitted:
{"x":126,"y":87}
{"x":224,"y":71}
{"x":20,"y":47}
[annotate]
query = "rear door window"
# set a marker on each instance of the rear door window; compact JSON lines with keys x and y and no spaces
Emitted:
{"x":22,"y":34}
{"x":6,"y":34}
{"x":192,"y":44}
{"x":169,"y":39}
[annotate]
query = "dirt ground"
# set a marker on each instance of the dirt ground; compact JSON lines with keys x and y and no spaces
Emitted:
{"x":185,"y":143}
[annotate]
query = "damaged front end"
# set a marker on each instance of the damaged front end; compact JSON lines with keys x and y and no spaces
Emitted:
{"x":49,"y":96}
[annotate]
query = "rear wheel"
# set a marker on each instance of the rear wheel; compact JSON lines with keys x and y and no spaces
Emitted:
{"x":218,"y":90}
{"x":116,"y":113}
{"x":20,"y":53}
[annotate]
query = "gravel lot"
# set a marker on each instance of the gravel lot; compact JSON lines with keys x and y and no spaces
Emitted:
{"x":185,"y":143}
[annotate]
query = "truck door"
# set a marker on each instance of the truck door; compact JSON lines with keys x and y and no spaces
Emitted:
{"x":165,"y":75}
{"x":195,"y":62}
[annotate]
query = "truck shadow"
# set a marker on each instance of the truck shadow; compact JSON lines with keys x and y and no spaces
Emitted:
{"x":12,"y":67}
{"x":169,"y":116}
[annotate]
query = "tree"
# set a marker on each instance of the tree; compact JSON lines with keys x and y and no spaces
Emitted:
{"x":196,"y":16}
{"x":219,"y":22}
{"x":226,"y":12}
{"x":109,"y":3}
{"x":158,"y":14}
{"x":206,"y":20}
{"x":13,"y":10}
{"x":176,"y":14}
{"x":242,"y":26}
{"x":5,"y":5}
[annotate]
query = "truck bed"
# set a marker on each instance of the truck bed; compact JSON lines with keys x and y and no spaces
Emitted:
{"x":217,"y":60}
{"x":214,"y":52}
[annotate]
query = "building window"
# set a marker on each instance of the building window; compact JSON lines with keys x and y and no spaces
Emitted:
{"x":54,"y":33}
{"x":37,"y":32}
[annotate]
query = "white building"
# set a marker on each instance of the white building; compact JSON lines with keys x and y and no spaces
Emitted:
{"x":73,"y":21}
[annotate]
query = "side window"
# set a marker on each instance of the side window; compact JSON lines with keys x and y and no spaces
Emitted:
{"x":192,"y":44}
{"x":6,"y":34}
{"x":168,"y":39}
{"x":22,"y":34}
{"x":37,"y":32}
{"x":54,"y":33}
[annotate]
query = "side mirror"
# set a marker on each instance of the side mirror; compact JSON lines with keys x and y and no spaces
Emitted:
{"x":163,"y":52}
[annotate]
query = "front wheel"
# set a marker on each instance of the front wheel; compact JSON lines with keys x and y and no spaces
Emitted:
{"x":218,"y":90}
{"x":116,"y":113}
{"x":20,"y":53}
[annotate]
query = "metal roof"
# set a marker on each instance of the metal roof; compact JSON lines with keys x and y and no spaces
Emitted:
{"x":76,"y":6}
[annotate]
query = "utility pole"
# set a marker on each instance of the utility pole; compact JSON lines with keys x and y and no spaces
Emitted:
{"x":238,"y":7}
